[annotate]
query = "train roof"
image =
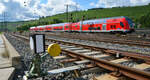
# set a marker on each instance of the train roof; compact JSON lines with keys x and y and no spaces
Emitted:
{"x":32,"y":27}
{"x":93,"y":21}
{"x":40,"y":26}
{"x":103,"y":20}
{"x":60,"y":24}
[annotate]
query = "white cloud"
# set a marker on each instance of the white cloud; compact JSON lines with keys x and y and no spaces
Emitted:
{"x":2,"y":8}
{"x":92,"y":4}
{"x":140,"y":2}
{"x":115,"y":3}
{"x":6,"y":0}
{"x":29,"y":9}
{"x":59,"y":6}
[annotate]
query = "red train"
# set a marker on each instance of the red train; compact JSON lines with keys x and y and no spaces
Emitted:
{"x":114,"y":24}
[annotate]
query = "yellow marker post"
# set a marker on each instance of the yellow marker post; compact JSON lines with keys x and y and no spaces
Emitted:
{"x":54,"y":50}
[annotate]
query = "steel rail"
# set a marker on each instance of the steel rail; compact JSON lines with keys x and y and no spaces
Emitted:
{"x":130,"y":72}
{"x":104,"y":50}
{"x":110,"y":51}
{"x":122,"y":41}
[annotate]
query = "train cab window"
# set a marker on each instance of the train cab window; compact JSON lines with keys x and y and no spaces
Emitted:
{"x":121,"y":24}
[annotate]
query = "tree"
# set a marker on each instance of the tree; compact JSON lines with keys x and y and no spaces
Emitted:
{"x":144,"y":20}
{"x":57,"y":20}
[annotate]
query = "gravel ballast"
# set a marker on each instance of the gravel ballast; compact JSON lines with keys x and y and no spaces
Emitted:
{"x":26,"y":57}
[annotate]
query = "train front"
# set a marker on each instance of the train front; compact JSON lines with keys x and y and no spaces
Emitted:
{"x":131,"y":26}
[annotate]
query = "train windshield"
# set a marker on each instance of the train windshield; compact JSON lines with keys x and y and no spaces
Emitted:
{"x":130,"y":22}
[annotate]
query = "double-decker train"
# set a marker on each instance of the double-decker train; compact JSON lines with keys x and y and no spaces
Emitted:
{"x":113,"y":24}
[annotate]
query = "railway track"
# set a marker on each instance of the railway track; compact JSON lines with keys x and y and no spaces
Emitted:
{"x":111,"y":39}
{"x":133,"y":65}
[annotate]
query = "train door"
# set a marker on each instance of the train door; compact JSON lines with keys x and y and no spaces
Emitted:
{"x":104,"y":27}
{"x":81,"y":24}
{"x":70,"y":27}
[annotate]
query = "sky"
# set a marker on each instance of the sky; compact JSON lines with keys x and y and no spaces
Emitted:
{"x":23,"y":10}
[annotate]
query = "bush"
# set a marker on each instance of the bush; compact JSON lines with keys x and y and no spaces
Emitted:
{"x":26,"y":26}
{"x":144,"y":20}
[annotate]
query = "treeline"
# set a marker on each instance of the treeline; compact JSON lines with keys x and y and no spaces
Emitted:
{"x":38,"y":23}
{"x":145,"y":21}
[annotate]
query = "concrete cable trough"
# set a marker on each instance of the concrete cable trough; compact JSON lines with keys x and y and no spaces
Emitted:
{"x":9,"y":59}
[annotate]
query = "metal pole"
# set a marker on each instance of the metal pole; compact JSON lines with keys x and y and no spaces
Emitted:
{"x":4,"y":24}
{"x":67,"y":12}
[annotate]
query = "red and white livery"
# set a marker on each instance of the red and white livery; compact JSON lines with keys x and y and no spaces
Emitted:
{"x":114,"y":24}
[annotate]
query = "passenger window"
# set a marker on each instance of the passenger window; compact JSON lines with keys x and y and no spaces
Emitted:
{"x":67,"y":26}
{"x":114,"y":26}
{"x":91,"y":25}
{"x":98,"y":28}
{"x":111,"y":26}
{"x":76,"y":25}
{"x":90,"y":28}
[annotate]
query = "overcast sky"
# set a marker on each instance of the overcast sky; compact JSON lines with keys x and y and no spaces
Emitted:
{"x":18,"y":10}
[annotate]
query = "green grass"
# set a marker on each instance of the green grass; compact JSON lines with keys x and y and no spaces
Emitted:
{"x":132,"y":12}
{"x":11,"y":25}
